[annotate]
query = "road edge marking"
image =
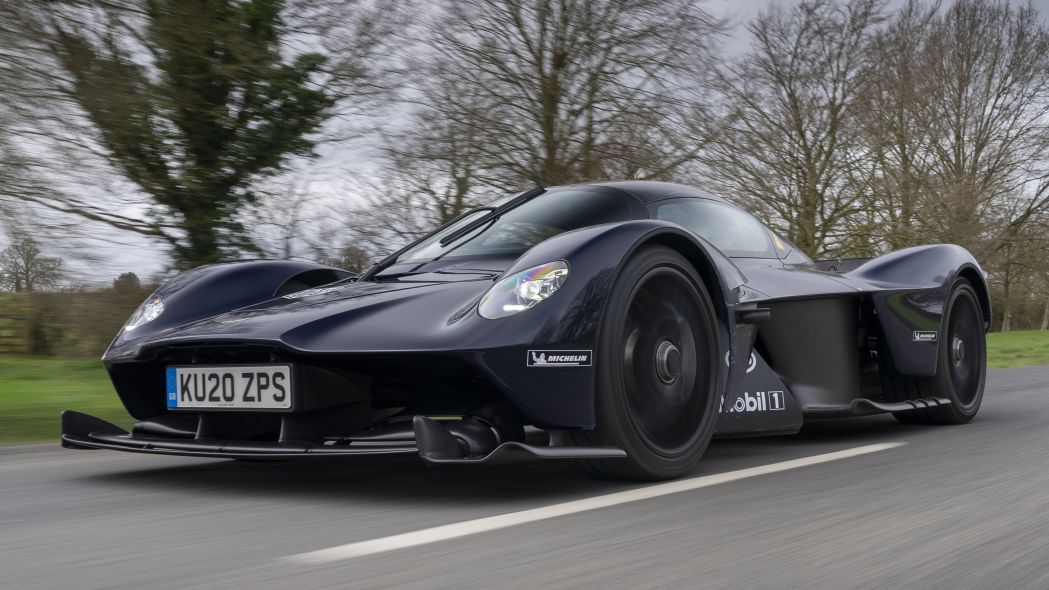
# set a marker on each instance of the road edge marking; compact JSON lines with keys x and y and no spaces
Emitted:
{"x":501,"y":521}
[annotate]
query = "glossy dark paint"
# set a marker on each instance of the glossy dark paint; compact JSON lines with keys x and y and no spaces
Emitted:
{"x":216,"y":288}
{"x":827,"y":329}
{"x":909,"y":288}
{"x":434,"y":313}
{"x":815,"y":347}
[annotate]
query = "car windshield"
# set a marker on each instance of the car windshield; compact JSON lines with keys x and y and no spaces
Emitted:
{"x":731,"y":230}
{"x":517,"y":230}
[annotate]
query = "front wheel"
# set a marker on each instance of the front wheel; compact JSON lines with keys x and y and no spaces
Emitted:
{"x":659,"y":379}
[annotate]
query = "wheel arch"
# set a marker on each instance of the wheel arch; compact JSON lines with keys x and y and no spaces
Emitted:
{"x":979,"y":284}
{"x":662,"y":249}
{"x":910,"y":289}
{"x":575,"y":318}
{"x":705,"y":266}
{"x":599,"y":252}
{"x":722,"y":280}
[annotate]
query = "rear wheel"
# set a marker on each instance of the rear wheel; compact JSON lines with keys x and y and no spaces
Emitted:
{"x":960,"y":369}
{"x":659,"y":378}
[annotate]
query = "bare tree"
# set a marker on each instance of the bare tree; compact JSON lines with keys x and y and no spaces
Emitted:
{"x":432,"y":174}
{"x":558,"y":91}
{"x":528,"y":92}
{"x":956,"y":117}
{"x":23,"y":268}
{"x":988,"y":107}
{"x":351,"y":258}
{"x":788,"y":146}
{"x":894,"y":101}
{"x":127,"y":281}
{"x":1016,"y":253}
{"x":289,"y":212}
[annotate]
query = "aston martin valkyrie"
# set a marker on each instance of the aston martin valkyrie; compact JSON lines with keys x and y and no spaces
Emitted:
{"x":621,"y":325}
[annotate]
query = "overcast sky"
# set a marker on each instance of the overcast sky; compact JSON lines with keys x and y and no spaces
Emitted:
{"x":119,"y":252}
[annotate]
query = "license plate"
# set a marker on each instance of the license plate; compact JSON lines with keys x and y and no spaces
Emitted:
{"x":263,"y":387}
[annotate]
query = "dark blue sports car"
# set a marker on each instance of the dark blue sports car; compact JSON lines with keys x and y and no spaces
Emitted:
{"x":621,"y":325}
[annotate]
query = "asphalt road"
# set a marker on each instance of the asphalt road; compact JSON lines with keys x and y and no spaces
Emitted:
{"x":954,"y":507}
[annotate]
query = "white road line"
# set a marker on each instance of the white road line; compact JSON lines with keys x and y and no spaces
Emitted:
{"x":491,"y":523}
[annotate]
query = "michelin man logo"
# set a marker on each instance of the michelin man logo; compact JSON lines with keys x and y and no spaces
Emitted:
{"x":560,"y":358}
{"x":925,"y":336}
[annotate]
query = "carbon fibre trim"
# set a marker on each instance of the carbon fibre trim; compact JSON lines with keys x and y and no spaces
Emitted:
{"x":866,"y":407}
{"x":80,"y":431}
{"x":232,"y":451}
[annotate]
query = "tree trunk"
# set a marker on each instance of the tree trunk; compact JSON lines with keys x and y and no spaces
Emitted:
{"x":1045,"y":315}
{"x":202,"y":241}
{"x":1006,"y":303}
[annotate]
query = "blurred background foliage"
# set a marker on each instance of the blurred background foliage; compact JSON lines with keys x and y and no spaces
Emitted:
{"x":73,"y":322}
{"x":183,"y":132}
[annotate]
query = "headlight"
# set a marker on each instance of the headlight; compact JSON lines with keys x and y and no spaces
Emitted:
{"x":523,"y":290}
{"x":147,"y":312}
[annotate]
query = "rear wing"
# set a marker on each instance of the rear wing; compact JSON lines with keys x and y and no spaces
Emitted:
{"x":840,"y":265}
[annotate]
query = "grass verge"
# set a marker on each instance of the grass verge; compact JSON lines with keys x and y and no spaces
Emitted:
{"x":33,"y":390}
{"x":1017,"y":349}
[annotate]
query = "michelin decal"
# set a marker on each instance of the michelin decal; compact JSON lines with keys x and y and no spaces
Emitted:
{"x":560,"y":358}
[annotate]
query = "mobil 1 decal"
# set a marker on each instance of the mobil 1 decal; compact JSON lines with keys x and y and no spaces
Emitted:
{"x":759,"y":401}
{"x":762,"y":391}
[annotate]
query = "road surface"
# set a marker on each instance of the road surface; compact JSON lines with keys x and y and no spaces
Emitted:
{"x":950,"y":507}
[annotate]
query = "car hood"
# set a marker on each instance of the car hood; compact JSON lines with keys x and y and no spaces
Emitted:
{"x":420,"y":310}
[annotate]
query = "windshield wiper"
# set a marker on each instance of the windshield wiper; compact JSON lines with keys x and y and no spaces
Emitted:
{"x":469,"y":226}
{"x":489,"y":220}
{"x":495,"y":213}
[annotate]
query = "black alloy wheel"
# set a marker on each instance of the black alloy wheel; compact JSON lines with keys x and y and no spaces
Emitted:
{"x":659,"y":379}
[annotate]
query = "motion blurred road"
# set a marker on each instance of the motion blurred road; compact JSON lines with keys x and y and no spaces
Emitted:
{"x":955,"y":507}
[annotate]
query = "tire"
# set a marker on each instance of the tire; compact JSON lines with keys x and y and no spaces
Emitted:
{"x":659,"y":376}
{"x":961,"y":368}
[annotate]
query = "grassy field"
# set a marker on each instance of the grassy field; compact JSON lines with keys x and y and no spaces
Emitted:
{"x":1017,"y":349}
{"x":34,"y":390}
